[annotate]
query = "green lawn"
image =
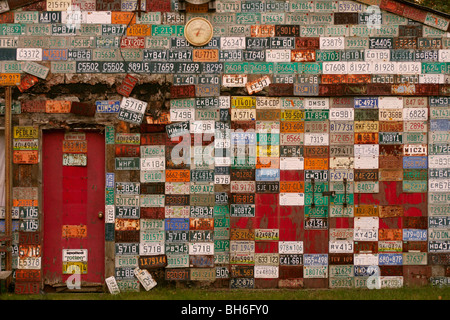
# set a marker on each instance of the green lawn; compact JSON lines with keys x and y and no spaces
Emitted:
{"x":424,"y":293}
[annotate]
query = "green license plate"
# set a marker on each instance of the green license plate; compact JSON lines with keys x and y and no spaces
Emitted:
{"x":260,"y":67}
{"x":248,"y":18}
{"x":127,"y":163}
{"x":316,"y":115}
{"x":316,"y":212}
{"x":286,"y":68}
{"x":310,"y":68}
{"x":418,"y":186}
{"x":341,"y":212}
{"x":434,"y":67}
{"x":235,"y":67}
{"x":11,"y":29}
{"x":328,"y":55}
{"x":319,"y":200}
{"x":339,"y":198}
{"x":163,"y":30}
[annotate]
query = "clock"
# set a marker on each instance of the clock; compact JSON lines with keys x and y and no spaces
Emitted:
{"x":198,"y":31}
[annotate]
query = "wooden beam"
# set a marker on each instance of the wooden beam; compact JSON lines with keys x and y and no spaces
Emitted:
{"x":8,"y":179}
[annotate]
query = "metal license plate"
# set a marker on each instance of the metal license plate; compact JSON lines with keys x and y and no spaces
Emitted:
{"x":156,"y":261}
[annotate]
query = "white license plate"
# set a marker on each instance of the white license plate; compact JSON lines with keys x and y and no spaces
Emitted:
{"x":415,"y":114}
{"x":365,"y":235}
{"x":29,"y":54}
{"x":243,"y":114}
{"x":290,"y":247}
{"x":390,"y":102}
{"x":292,"y":199}
{"x":370,"y":162}
{"x":342,"y":114}
{"x":365,"y":259}
{"x":181,"y":114}
{"x":227,"y":43}
{"x":315,"y":272}
{"x":150,"y":164}
{"x":234,"y":80}
{"x":332,"y":43}
{"x":202,"y":126}
{"x":335,"y":67}
{"x":201,"y":248}
{"x":340,"y":246}
{"x":366,"y":187}
{"x":316,"y":139}
{"x":132,"y":104}
{"x":291,"y":139}
{"x":177,"y":188}
{"x":177,"y":211}
{"x":439,"y":161}
{"x":243,"y":186}
{"x":341,"y":162}
{"x":365,"y":150}
{"x":221,"y":179}
{"x":366,"y":222}
{"x":439,"y":185}
{"x":151,"y":248}
{"x":270,"y":272}
{"x":291,"y":163}
{"x":390,"y":115}
{"x":278,"y":55}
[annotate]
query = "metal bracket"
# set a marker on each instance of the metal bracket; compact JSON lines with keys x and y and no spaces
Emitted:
{"x":328,"y":193}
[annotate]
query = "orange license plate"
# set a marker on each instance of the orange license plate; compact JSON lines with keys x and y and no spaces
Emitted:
{"x":178,"y":175}
{"x":74,"y":231}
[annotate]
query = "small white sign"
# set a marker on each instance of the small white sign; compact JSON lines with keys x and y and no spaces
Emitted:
{"x":291,"y":163}
{"x":366,"y":223}
{"x":112,"y":285}
{"x":269,"y":272}
{"x":157,"y":163}
{"x":292,"y":199}
{"x":290,"y":247}
{"x":201,"y":248}
{"x":133,"y":105}
{"x":75,"y":255}
{"x":29,"y":54}
{"x":145,"y":278}
{"x":340,"y":246}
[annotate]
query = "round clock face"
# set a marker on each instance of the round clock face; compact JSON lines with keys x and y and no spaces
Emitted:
{"x":198,"y":31}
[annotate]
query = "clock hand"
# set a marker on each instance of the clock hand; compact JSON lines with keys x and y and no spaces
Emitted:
{"x":200,"y":29}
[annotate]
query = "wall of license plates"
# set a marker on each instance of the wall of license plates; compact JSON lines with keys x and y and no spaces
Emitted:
{"x":306,"y":145}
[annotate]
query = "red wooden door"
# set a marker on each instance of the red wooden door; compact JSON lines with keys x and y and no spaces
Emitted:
{"x":73,"y":197}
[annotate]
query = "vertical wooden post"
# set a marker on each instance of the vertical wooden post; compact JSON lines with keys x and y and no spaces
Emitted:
{"x":8,"y":179}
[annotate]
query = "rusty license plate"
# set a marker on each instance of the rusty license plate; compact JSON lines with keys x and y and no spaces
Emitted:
{"x":74,"y":231}
{"x":26,"y":156}
{"x":74,"y":146}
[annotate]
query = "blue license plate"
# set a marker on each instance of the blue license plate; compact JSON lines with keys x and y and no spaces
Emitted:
{"x":364,"y":271}
{"x":439,"y":124}
{"x":267,"y":174}
{"x":366,"y":103}
{"x":414,"y":234}
{"x":395,"y":259}
{"x":181,"y":224}
{"x":315,"y":259}
{"x":415,"y":162}
{"x":243,"y":137}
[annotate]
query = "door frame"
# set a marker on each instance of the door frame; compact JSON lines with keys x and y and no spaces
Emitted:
{"x":62,"y":287}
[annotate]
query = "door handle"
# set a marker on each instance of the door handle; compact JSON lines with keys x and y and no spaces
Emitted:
{"x":100,"y":215}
